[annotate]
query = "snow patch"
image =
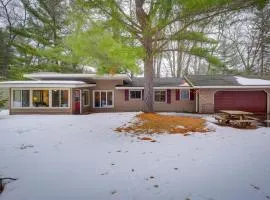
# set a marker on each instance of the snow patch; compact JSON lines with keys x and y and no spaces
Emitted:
{"x":250,"y":81}
{"x":66,"y":157}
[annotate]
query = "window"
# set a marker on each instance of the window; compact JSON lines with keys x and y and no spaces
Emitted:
{"x":184,"y":95}
{"x":33,"y":98}
{"x":160,"y":96}
{"x":103,"y":99}
{"x":59,"y":98}
{"x":21,"y":98}
{"x":86,"y":97}
{"x":135,"y":94}
{"x":40,"y":98}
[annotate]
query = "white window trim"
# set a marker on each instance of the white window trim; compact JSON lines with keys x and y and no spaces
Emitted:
{"x":85,"y":105}
{"x":160,"y":101}
{"x":112,"y":106}
{"x":50,"y":100}
{"x":135,"y":91}
{"x":31,"y":98}
{"x":188,"y":95}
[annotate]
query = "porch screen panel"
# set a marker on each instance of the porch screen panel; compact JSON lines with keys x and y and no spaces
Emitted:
{"x":25,"y":98}
{"x":21,"y":98}
{"x":109,"y":99}
{"x":41,"y":98}
{"x":17,"y":98}
{"x":97,"y":99}
{"x":55,"y":98}
{"x":103,"y":99}
{"x":64,"y":98}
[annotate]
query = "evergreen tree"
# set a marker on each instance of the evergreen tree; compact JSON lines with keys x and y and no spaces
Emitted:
{"x":44,"y":30}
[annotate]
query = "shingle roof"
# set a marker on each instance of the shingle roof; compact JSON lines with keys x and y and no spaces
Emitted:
{"x":228,"y":80}
{"x":158,"y":82}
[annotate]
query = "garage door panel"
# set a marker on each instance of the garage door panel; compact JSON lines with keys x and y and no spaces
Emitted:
{"x":252,"y":101}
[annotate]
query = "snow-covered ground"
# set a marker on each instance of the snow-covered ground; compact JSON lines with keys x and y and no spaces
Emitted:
{"x":80,"y":157}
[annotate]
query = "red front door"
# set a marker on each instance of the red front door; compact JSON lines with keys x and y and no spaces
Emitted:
{"x":77,"y":102}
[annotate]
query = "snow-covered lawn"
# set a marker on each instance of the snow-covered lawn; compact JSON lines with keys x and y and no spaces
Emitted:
{"x":80,"y":157}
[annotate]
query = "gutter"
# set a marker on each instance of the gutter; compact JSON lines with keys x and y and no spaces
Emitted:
{"x":161,"y":88}
{"x":232,"y":87}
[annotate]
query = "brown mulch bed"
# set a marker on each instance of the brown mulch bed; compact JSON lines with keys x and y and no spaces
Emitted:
{"x":150,"y":123}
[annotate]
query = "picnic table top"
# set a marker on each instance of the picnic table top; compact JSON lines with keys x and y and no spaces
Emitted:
{"x":236,"y":112}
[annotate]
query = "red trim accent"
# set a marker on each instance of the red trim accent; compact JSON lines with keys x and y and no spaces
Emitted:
{"x":177,"y":94}
{"x":192,"y":94}
{"x":126,"y":95}
{"x":169,"y":91}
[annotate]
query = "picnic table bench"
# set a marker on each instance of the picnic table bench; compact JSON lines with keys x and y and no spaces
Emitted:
{"x":221,"y":120}
{"x":253,"y":118}
{"x":243,"y":123}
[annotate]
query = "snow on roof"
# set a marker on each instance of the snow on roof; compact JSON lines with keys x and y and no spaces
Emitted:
{"x":53,"y":75}
{"x":50,"y":83}
{"x":251,"y":81}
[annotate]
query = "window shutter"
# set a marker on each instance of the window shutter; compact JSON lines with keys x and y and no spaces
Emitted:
{"x":126,"y":95}
{"x":142,"y":94}
{"x":192,"y":94}
{"x":169,"y":96}
{"x":177,"y":94}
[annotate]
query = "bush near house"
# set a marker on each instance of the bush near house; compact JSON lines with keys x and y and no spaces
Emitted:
{"x":3,"y":98}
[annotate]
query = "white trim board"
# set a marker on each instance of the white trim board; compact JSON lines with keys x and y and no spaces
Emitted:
{"x":44,"y":84}
{"x":38,"y":76}
{"x":233,"y":87}
{"x":156,"y":88}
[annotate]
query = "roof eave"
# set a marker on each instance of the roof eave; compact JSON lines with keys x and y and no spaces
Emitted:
{"x":236,"y":87}
{"x":47,"y":85}
{"x":90,"y":76}
{"x":162,"y":88}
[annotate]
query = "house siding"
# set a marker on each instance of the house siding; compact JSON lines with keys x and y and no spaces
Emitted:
{"x":206,"y":98}
{"x":122,"y":105}
{"x":205,"y":101}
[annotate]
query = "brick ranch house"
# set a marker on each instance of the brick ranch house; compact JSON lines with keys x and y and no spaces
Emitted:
{"x":54,"y":93}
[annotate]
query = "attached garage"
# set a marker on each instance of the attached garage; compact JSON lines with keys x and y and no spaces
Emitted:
{"x":251,"y":101}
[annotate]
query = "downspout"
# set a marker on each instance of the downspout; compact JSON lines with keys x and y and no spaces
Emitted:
{"x":197,"y":96}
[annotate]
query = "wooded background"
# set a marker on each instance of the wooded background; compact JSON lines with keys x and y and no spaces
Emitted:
{"x":201,"y":37}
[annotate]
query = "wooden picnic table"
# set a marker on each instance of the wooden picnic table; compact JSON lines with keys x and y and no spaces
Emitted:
{"x":232,"y":114}
{"x":237,"y":118}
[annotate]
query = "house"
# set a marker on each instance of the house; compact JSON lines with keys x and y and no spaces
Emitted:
{"x":54,"y":93}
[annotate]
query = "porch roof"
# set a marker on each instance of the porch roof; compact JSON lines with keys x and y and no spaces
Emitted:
{"x":45,"y":84}
{"x":89,"y":78}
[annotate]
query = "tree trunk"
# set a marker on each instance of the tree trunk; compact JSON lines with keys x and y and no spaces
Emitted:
{"x":148,"y":75}
{"x":147,"y":42}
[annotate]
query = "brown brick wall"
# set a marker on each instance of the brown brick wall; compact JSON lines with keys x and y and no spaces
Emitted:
{"x":120,"y":105}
